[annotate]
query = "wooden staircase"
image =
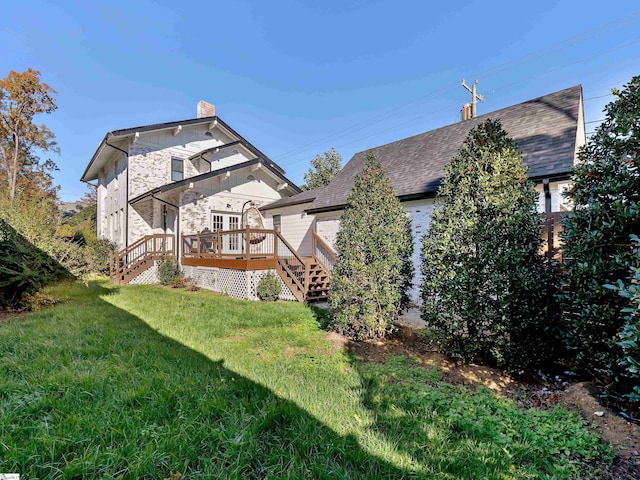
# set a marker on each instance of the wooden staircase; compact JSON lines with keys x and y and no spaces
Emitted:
{"x":319,"y":285}
{"x":308,"y":278}
{"x":127,"y":264}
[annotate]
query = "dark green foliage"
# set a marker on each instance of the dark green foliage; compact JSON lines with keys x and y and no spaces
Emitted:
{"x":486,"y":291}
{"x":629,"y":336}
{"x":323,"y":169}
{"x":269,"y":288}
{"x":24,"y":269}
{"x":168,"y":270}
{"x":598,"y":249}
{"x":374,"y":247}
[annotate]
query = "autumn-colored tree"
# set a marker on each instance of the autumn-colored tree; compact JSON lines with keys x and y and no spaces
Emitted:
{"x":323,"y":169}
{"x":90,"y":197}
{"x":22,"y":97}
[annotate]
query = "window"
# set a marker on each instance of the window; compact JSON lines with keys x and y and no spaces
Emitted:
{"x":234,"y":240}
{"x":217,"y":222}
{"x":277,"y":223}
{"x":177,"y":169}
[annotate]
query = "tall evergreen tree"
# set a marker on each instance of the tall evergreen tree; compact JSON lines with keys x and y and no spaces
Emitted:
{"x":323,"y":169}
{"x":598,"y":248}
{"x":484,"y":286}
{"x":374,"y":247}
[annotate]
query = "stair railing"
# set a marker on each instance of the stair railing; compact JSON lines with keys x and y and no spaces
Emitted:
{"x":292,"y":263}
{"x":148,"y":247}
{"x":322,"y":252}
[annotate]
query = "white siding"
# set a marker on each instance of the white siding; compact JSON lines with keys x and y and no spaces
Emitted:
{"x":296,"y":227}
{"x":327,"y":225}
{"x":558,"y":203}
{"x":111,"y":193}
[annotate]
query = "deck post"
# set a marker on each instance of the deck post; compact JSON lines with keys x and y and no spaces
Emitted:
{"x":247,"y":242}
{"x":275,"y":244}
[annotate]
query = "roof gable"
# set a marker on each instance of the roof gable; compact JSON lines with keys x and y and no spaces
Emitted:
{"x":91,"y":172}
{"x":545,"y":130}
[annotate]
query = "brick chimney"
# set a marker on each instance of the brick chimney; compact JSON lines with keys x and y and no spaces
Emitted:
{"x":206,"y":109}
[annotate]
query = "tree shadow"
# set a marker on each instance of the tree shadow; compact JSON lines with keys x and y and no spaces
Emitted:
{"x":96,"y":392}
{"x":25,"y":268}
{"x":455,"y":431}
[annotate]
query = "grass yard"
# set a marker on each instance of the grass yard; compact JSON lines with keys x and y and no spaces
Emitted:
{"x":141,"y":381}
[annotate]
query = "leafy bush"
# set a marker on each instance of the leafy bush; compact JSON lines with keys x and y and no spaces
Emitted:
{"x":606,"y":195}
{"x":168,"y":270}
{"x":98,"y":253}
{"x":486,"y":291}
{"x":374,"y":246}
{"x":629,"y":336}
{"x":269,"y":288}
{"x":68,"y":254}
{"x":24,"y":269}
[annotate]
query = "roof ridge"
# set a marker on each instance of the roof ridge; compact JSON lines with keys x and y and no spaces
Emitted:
{"x":485,"y":115}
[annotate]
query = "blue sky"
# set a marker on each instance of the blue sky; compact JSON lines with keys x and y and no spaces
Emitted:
{"x":298,"y":77}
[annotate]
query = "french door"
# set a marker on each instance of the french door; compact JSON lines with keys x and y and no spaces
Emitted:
{"x":231,"y":243}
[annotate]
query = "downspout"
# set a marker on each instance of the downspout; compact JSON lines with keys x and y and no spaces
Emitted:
{"x":126,"y":203}
{"x":178,"y":246}
{"x":547,"y":211}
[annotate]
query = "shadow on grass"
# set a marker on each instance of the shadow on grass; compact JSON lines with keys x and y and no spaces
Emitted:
{"x":90,"y":390}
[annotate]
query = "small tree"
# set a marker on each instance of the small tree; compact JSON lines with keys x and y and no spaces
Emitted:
{"x":484,"y":286}
{"x":598,"y":249}
{"x":324,"y":169}
{"x":374,"y":246}
{"x":22,"y":97}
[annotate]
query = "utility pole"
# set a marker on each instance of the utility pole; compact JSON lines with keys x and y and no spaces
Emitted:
{"x":474,"y":96}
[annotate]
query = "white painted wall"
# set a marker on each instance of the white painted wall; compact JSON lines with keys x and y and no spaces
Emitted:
{"x":558,"y":202}
{"x":112,"y":199}
{"x":296,"y":227}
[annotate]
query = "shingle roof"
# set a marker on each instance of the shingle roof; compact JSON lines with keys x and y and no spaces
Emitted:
{"x":304,"y":197}
{"x":544,"y":128}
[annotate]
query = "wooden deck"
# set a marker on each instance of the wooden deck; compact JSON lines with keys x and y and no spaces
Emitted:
{"x":308,"y":278}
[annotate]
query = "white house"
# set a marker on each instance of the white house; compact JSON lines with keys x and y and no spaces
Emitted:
{"x":181,"y":189}
{"x":158,"y":185}
{"x":548,"y":130}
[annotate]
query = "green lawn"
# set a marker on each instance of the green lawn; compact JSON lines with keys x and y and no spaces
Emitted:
{"x":139,"y":381}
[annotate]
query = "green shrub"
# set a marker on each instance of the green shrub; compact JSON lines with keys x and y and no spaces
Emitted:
{"x":486,"y":291}
{"x":269,"y":288}
{"x":629,"y":336}
{"x":606,"y":195}
{"x":99,"y":252}
{"x":374,"y":246}
{"x":24,"y":269}
{"x":168,"y":270}
{"x":69,"y":255}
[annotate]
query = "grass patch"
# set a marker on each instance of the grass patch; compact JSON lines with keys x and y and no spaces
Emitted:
{"x":139,"y":381}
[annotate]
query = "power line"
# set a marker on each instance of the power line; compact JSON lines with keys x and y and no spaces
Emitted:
{"x":545,"y":51}
{"x":387,"y":129}
{"x":599,"y":96}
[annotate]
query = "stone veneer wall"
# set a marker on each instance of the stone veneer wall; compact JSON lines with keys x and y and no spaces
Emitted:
{"x":235,"y":283}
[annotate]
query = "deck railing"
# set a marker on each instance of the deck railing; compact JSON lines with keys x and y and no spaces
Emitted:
{"x":246,"y":244}
{"x":248,"y":248}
